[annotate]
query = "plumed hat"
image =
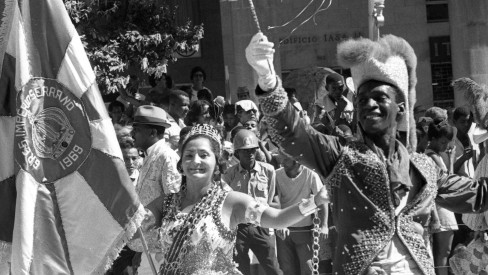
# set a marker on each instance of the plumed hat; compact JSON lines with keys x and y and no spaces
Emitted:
{"x":477,"y":98}
{"x":391,"y":60}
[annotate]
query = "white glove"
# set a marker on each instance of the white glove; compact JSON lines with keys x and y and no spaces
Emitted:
{"x":259,"y":54}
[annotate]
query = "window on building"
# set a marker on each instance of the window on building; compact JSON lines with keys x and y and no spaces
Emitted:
{"x":441,"y":67}
{"x":437,"y":11}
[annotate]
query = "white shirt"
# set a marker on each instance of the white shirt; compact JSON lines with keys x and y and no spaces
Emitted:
{"x":291,"y":191}
{"x":158,"y":173}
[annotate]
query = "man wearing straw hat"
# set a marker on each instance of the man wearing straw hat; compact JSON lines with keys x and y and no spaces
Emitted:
{"x":158,"y":173}
{"x":381,"y":192}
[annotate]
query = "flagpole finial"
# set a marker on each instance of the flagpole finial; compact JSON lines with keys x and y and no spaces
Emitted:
{"x":254,"y":15}
{"x":379,"y":5}
{"x":375,"y":18}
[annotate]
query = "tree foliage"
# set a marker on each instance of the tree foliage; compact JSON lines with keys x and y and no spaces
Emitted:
{"x":122,"y":34}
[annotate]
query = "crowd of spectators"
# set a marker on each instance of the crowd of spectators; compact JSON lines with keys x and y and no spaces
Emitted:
{"x":253,"y":164}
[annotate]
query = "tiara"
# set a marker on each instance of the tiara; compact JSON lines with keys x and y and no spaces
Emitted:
{"x":207,"y":130}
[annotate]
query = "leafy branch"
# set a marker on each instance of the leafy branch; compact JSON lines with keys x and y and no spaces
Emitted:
{"x":119,"y":35}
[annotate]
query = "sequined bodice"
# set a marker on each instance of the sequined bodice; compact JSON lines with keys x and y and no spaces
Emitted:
{"x":208,"y":249}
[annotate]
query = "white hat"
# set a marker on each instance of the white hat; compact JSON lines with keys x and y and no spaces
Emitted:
{"x":391,"y":60}
{"x":246,"y":105}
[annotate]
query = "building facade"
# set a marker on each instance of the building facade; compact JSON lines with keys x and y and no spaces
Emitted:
{"x":450,"y":38}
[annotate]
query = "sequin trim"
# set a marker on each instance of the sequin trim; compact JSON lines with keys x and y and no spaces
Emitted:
{"x":203,"y":247}
{"x":373,"y":240}
{"x":273,"y":103}
{"x":224,"y":231}
{"x":271,"y":129}
{"x":360,"y":164}
{"x":406,"y":224}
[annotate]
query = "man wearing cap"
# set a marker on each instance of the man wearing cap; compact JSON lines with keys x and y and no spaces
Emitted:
{"x":158,"y":173}
{"x":382,"y":192}
{"x":257,"y":179}
{"x":246,"y":110}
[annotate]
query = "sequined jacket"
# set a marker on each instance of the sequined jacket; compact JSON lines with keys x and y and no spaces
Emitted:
{"x":358,"y":183}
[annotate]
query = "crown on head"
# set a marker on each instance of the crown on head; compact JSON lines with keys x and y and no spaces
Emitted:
{"x":207,"y":130}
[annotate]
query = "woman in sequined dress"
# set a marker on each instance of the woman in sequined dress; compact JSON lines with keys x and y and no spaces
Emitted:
{"x":195,"y":229}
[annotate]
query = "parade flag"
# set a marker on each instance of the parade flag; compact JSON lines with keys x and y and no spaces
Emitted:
{"x":75,"y":205}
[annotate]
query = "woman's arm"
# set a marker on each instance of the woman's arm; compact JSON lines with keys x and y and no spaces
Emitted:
{"x":438,"y":161}
{"x":246,"y":210}
{"x":468,"y":153}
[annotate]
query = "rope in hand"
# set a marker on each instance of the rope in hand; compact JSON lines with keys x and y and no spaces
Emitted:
{"x":312,"y":17}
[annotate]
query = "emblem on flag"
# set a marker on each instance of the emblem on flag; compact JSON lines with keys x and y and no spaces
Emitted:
{"x":51,"y":130}
{"x":67,"y":203}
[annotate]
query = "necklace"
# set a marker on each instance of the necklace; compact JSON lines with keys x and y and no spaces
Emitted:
{"x":181,"y":234}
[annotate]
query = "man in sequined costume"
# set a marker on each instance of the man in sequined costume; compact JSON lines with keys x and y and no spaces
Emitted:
{"x":381,"y":193}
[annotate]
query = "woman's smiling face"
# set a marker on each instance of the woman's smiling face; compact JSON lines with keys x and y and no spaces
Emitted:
{"x":198,"y":160}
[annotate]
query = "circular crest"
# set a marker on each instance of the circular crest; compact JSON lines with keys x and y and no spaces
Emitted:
{"x":52,"y":133}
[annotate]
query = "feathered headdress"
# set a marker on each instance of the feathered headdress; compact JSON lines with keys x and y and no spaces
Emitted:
{"x":477,"y":97}
{"x":391,"y":60}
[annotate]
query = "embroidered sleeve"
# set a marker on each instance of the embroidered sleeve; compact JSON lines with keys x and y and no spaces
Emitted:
{"x":272,"y":103}
{"x":301,"y":141}
{"x":290,"y":131}
{"x":254,"y":212}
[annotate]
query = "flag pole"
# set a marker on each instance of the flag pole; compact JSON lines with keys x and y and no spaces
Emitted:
{"x":146,"y":251}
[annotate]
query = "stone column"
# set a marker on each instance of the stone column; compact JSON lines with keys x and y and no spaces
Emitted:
{"x":469,"y":41}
